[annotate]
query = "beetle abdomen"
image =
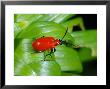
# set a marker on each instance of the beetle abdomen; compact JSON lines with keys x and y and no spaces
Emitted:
{"x":43,"y":44}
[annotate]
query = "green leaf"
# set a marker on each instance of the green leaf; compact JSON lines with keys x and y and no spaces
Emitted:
{"x":69,"y":74}
{"x":86,"y":39}
{"x":85,"y":54}
{"x":29,"y":18}
{"x":68,"y":59}
{"x":24,"y":52}
{"x":18,"y":27}
{"x":74,"y":22}
{"x":48,"y":17}
{"x":46,"y":68}
{"x":23,"y":55}
{"x":39,"y":29}
{"x":24,"y":20}
{"x":21,"y":21}
{"x":23,"y":69}
{"x":60,"y":18}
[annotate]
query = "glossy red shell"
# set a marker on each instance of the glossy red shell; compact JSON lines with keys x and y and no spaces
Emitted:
{"x":45,"y":43}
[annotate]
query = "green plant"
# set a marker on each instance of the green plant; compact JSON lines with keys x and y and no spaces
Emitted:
{"x":66,"y":60}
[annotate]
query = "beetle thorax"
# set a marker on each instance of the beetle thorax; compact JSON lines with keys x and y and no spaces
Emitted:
{"x":57,"y":42}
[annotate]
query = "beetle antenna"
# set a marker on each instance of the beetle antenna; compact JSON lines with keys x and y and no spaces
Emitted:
{"x":64,"y":35}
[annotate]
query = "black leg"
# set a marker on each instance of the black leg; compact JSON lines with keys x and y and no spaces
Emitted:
{"x":52,"y":51}
{"x":44,"y":56}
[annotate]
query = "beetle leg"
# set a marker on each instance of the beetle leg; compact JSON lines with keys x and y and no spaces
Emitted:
{"x":44,"y":56}
{"x":50,"y":53}
{"x":54,"y":50}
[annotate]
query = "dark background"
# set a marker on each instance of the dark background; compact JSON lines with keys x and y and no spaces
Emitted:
{"x":90,"y":21}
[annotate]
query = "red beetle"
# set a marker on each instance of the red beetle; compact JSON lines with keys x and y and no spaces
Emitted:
{"x":46,"y":43}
